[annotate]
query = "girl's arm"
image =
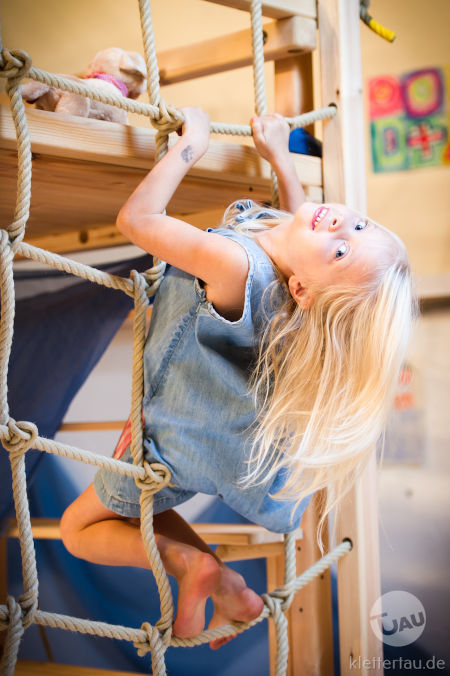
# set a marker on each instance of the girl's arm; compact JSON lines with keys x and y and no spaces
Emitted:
{"x":271,"y":138}
{"x":219,"y":262}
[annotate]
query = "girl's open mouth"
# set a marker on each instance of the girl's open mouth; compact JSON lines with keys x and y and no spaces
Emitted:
{"x":318,"y":216}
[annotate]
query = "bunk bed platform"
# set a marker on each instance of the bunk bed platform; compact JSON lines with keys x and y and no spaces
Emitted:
{"x":84,"y":170}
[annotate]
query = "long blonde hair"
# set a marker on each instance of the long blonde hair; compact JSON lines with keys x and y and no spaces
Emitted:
{"x":325,"y":376}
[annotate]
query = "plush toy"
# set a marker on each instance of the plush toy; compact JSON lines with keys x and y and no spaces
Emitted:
{"x":113,"y":70}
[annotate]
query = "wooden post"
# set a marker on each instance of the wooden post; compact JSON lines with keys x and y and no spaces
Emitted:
{"x":344,"y":181}
{"x":294,"y":86}
{"x":310,"y":615}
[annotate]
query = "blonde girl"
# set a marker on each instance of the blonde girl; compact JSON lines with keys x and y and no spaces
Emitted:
{"x":274,"y":347}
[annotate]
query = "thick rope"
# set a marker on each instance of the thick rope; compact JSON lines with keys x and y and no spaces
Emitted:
{"x":15,"y":69}
{"x":140,"y":636}
{"x":6,"y":320}
{"x":149,"y":110}
{"x":21,"y":439}
{"x":18,"y":437}
{"x":14,"y":633}
{"x":259,"y":81}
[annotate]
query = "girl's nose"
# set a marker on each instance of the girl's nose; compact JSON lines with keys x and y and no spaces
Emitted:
{"x":335,"y":222}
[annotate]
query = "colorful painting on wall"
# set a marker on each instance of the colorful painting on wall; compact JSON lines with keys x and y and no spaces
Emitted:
{"x":409,"y":119}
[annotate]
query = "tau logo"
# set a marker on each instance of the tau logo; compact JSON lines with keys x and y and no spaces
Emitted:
{"x":397,"y":618}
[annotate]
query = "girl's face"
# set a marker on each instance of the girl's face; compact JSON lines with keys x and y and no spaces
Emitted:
{"x":330,"y":244}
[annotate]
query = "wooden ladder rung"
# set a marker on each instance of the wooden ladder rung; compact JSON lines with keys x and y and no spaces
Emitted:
{"x":31,"y":668}
{"x":234,"y":535}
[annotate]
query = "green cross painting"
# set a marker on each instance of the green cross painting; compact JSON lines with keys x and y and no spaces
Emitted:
{"x":409,"y":119}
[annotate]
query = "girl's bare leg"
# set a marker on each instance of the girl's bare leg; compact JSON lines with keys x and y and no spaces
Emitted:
{"x":92,"y":532}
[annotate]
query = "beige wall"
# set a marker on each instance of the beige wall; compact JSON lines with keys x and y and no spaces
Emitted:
{"x":416,"y":204}
{"x":63,"y":36}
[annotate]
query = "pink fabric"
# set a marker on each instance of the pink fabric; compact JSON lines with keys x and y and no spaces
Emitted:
{"x":125,"y":440}
{"x":121,"y":86}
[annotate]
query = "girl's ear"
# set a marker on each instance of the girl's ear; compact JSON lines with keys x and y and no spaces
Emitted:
{"x":299,"y":293}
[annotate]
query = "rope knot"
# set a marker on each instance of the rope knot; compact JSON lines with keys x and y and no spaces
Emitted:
{"x":22,"y":436}
{"x":154,"y":276}
{"x":158,"y":477}
{"x":5,"y":243}
{"x":154,"y":643}
{"x":169,"y":119}
{"x":275,"y":607}
{"x":14,"y":64}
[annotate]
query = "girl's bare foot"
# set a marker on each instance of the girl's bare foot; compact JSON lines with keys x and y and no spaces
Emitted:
{"x":198,"y":575}
{"x":233,"y":601}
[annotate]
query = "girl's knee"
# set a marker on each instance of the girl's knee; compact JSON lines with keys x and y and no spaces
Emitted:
{"x":70,"y":528}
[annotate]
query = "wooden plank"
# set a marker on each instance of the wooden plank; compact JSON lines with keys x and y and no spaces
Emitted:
{"x":310,"y":614}
{"x":79,"y":240}
{"x":344,"y":174}
{"x":108,"y":235}
{"x":74,"y":138}
{"x":310,"y":628}
{"x":42,"y":529}
{"x":275,"y":9}
{"x":281,"y":38}
{"x":245,"y":552}
{"x":92,"y":426}
{"x":212,"y":533}
{"x":32,"y":668}
{"x":294,"y":86}
{"x":84,"y":170}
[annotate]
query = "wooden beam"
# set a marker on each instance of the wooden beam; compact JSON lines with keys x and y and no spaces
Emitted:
{"x":32,"y":668}
{"x":281,"y":39}
{"x":294,"y":86}
{"x":74,"y":138}
{"x":275,"y":9}
{"x":310,"y":614}
{"x":213,"y":533}
{"x":94,"y":426}
{"x":84,"y":170}
{"x":79,"y":240}
{"x":359,"y":583}
{"x":105,"y":236}
{"x":245,"y":552}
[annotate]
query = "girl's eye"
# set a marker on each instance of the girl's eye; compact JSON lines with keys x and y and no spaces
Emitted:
{"x":361,"y":225}
{"x":343,"y":249}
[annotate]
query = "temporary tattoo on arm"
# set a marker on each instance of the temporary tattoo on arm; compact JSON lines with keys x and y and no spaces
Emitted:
{"x":187,"y":154}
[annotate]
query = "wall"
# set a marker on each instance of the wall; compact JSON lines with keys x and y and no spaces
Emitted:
{"x":416,"y":204}
{"x":63,"y":37}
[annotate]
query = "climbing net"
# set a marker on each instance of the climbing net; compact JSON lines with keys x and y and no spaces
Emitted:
{"x":17,"y":437}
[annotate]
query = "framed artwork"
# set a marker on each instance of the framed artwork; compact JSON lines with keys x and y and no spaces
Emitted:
{"x":409,"y":119}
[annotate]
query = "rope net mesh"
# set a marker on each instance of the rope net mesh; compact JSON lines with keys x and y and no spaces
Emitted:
{"x":17,"y":437}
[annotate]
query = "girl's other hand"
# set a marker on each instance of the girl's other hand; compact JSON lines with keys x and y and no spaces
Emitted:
{"x":271,"y":136}
{"x":195,"y":130}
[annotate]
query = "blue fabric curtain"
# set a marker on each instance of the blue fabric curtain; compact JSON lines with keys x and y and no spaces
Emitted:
{"x":62,"y":327}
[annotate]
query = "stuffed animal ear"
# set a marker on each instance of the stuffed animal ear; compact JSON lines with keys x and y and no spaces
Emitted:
{"x":134,"y":73}
{"x":32,"y":91}
{"x":133,"y":64}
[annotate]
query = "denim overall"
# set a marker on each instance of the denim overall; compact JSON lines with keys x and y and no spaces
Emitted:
{"x":197,"y":408}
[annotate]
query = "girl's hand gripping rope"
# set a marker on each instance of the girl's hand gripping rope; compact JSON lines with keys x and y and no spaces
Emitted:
{"x":271,"y":139}
{"x":195,"y":132}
